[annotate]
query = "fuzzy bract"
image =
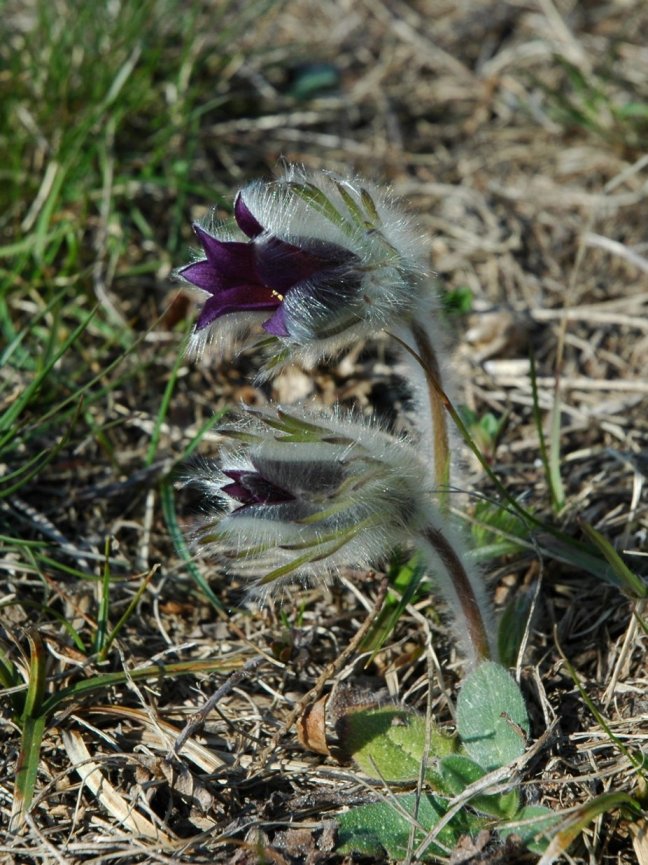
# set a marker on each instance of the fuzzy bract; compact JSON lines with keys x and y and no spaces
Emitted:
{"x":315,"y":262}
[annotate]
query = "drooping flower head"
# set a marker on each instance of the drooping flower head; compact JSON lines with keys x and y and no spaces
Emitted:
{"x":315,"y":261}
{"x":309,"y":492}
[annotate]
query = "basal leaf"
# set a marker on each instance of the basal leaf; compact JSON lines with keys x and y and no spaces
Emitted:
{"x":458,"y":772}
{"x":492,"y":719}
{"x":387,"y":827}
{"x":389,"y":743}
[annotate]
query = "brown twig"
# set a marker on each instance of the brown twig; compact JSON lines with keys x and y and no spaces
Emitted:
{"x":198,"y":719}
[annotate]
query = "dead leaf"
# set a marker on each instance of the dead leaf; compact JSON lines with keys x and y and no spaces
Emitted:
{"x":311,"y":727}
{"x":109,"y":798}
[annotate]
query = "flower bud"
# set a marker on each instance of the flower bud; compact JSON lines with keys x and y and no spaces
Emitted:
{"x":309,"y":493}
{"x":316,"y":261}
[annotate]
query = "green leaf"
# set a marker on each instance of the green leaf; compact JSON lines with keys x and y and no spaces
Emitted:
{"x":458,"y":772}
{"x":390,"y":827}
{"x":512,"y":626}
{"x":492,"y":719}
{"x":314,"y":79}
{"x":152,"y":672}
{"x":531,"y":825}
{"x":458,"y":301}
{"x":36,"y":681}
{"x":33,"y":727}
{"x":497,"y":531}
{"x":27,"y":769}
{"x":406,"y":579}
{"x":389,"y":743}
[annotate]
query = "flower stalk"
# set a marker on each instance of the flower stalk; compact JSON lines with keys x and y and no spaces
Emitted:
{"x":462,"y":592}
{"x":418,"y":345}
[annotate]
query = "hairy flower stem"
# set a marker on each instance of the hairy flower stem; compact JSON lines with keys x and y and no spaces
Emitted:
{"x":415,"y":339}
{"x":464,"y":597}
{"x":432,"y":370}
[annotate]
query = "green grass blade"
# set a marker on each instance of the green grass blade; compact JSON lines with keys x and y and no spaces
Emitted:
{"x":10,"y":678}
{"x":639,"y":762}
{"x":167,"y":499}
{"x":406,"y":580}
{"x":104,"y":604}
{"x":33,"y":726}
{"x":629,"y":581}
{"x":13,"y":413}
{"x":36,"y":681}
{"x":550,"y":457}
{"x":20,"y":336}
{"x":204,"y":428}
{"x":27,"y":770}
{"x":31,"y":469}
{"x":127,"y":612}
{"x":555,"y":476}
{"x":572,"y":826}
{"x":149,"y":673}
{"x":163,"y":411}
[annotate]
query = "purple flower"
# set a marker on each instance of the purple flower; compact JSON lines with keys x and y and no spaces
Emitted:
{"x":251,"y":488}
{"x":258,"y":274}
{"x":316,"y":260}
{"x":310,"y":492}
{"x":307,"y":493}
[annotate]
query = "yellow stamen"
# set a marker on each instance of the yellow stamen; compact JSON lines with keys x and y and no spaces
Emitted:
{"x":277,"y":295}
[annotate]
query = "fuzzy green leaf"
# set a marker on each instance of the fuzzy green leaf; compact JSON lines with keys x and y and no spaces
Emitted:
{"x":390,"y":743}
{"x":492,"y":719}
{"x":458,"y":772}
{"x":387,"y":827}
{"x":531,"y":828}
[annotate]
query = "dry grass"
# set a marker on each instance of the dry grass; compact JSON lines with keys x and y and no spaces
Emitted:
{"x":534,"y":191}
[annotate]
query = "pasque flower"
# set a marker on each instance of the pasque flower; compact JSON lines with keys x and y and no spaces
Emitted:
{"x":314,"y":260}
{"x":309,"y":492}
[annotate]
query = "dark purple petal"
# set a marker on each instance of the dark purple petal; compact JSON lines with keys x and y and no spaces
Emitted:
{"x":245,"y":220}
{"x":240,"y":298}
{"x":201,"y":273}
{"x":239,"y":494}
{"x":282,"y":265}
{"x":276,"y":324}
{"x":229,"y":274}
{"x":258,"y":274}
{"x":251,"y":488}
{"x":231,"y":259}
